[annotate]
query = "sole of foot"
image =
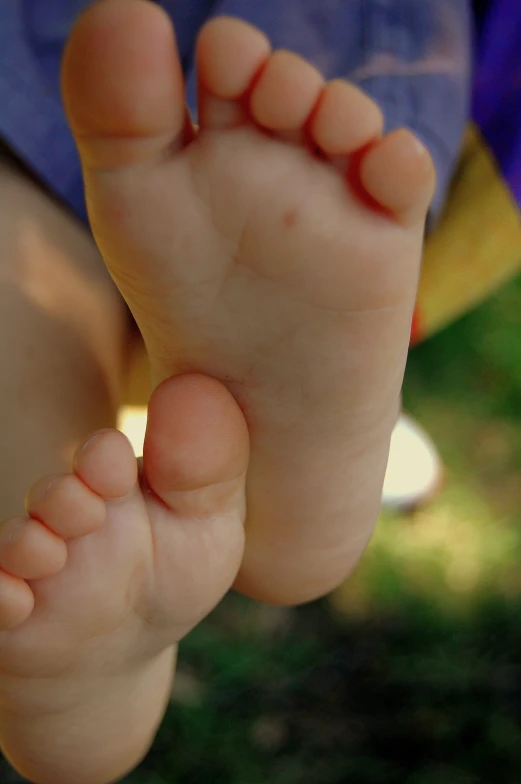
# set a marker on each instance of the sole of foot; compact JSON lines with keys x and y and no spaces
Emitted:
{"x":276,"y":248}
{"x":112,"y":566}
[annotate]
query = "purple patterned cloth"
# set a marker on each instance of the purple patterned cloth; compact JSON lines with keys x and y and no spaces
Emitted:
{"x":497,"y":87}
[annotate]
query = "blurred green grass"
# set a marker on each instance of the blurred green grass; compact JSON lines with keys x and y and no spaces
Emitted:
{"x":411,"y":672}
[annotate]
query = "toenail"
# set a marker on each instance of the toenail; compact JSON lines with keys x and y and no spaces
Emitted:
{"x":89,"y":442}
{"x":47,"y":488}
{"x":15,"y":530}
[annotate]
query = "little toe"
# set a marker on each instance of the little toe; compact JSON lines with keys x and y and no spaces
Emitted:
{"x":398,"y":173}
{"x":16,"y":601}
{"x":345,"y":120}
{"x":66,"y":505}
{"x":230,"y":54}
{"x":106,"y":464}
{"x":29,"y":550}
{"x":285,"y":93}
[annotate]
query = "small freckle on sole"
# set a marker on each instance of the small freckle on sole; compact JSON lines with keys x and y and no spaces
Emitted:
{"x":289,"y":218}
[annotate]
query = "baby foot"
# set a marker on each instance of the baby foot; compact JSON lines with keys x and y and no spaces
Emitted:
{"x":275,"y":248}
{"x":111,"y":568}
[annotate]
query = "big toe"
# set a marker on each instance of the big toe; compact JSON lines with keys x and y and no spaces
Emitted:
{"x":195,"y":458}
{"x":123,"y":85}
{"x":196,"y":448}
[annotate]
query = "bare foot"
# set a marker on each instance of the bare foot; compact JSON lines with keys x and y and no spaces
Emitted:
{"x":111,"y":568}
{"x":276,"y":248}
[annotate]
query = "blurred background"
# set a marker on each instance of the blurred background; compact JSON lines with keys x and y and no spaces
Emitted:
{"x":411,"y":671}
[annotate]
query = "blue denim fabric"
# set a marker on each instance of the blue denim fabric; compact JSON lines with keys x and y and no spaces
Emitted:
{"x":412,"y":56}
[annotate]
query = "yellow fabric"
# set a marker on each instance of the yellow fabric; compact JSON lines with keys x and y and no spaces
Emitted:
{"x":477,"y":246}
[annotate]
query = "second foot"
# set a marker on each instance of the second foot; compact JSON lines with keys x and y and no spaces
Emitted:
{"x":276,"y":248}
{"x":113,"y":565}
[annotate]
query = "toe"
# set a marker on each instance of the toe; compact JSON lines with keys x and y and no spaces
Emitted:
{"x":196,"y":445}
{"x":230,"y":54}
{"x":106,"y":464}
{"x":123,"y":85}
{"x":194,"y":459}
{"x":398,"y":173}
{"x":345,"y":119}
{"x":66,"y":506}
{"x":29,"y":550}
{"x":285,"y":93}
{"x":16,"y":601}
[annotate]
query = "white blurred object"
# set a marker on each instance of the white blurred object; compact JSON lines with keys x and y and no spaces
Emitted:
{"x":132,"y":420}
{"x":414,"y":469}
